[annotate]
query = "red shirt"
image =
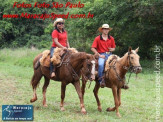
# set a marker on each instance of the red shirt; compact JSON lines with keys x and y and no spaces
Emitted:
{"x":102,"y":45}
{"x":62,"y":38}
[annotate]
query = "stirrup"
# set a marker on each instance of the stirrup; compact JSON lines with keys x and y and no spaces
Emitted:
{"x":102,"y":83}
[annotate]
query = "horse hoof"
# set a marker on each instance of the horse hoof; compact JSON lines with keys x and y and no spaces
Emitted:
{"x":108,"y":109}
{"x":45,"y":105}
{"x":33,"y":100}
{"x":83,"y":111}
{"x":62,"y":109}
{"x":99,"y":109}
{"x":118,"y":115}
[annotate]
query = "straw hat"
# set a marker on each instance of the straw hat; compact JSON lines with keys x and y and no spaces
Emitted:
{"x":104,"y":26}
{"x":58,"y":20}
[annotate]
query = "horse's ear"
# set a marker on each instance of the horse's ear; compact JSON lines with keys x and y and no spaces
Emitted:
{"x":129,"y":49}
{"x":137,"y":50}
{"x":88,"y":56}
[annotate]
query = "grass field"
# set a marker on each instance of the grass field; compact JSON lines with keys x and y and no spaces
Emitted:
{"x":138,"y":103}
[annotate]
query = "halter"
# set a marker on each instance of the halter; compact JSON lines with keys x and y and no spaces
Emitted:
{"x":130,"y":68}
{"x":86,"y":78}
{"x":87,"y":69}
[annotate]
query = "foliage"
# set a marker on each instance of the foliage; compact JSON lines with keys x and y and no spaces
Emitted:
{"x":135,"y":23}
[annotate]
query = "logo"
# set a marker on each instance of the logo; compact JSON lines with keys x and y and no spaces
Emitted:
{"x":17,"y":112}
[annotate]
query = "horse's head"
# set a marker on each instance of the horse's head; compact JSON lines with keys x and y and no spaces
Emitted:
{"x":89,"y":67}
{"x":133,"y":60}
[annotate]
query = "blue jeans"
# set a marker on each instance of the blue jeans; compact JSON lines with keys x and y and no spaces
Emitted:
{"x":101,"y":63}
{"x":51,"y":55}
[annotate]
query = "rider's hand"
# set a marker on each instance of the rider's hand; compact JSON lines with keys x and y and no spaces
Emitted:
{"x":102,"y":56}
{"x":65,"y":48}
{"x":111,"y":49}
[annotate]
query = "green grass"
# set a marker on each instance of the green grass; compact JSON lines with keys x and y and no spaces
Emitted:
{"x":138,"y":103}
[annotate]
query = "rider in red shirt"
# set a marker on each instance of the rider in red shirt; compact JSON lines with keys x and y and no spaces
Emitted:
{"x":59,"y":39}
{"x":103,"y":45}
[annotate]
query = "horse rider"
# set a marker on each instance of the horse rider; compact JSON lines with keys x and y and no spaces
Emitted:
{"x":59,"y":39}
{"x":103,"y":45}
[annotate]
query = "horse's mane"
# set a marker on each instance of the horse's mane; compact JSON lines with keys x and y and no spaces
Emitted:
{"x":126,"y":54}
{"x":74,"y":50}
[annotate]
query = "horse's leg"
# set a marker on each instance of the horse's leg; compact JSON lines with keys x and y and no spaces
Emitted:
{"x":119,"y":95}
{"x":77,"y":87}
{"x":96,"y":88}
{"x":46,"y":83}
{"x":119,"y":99}
{"x":116,"y":101}
{"x":34,"y":96}
{"x":83,"y":87}
{"x":34,"y":82}
{"x":63,"y":89}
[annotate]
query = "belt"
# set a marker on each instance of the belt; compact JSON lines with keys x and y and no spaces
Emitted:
{"x":107,"y":52}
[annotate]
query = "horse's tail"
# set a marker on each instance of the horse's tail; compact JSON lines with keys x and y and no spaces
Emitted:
{"x":37,"y":64}
{"x":32,"y":81}
{"x":36,"y":80}
{"x":37,"y":72}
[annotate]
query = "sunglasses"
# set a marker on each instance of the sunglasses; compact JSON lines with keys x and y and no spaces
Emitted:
{"x":60,"y":23}
{"x":105,"y":28}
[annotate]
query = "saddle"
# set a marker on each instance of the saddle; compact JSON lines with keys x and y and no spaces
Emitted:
{"x":57,"y":56}
{"x":45,"y":59}
{"x":111,"y":61}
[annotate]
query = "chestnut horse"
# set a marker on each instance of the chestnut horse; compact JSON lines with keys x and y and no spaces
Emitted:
{"x":115,"y":78}
{"x":68,"y":72}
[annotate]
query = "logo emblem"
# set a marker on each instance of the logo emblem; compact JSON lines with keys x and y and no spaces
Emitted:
{"x":17,"y":112}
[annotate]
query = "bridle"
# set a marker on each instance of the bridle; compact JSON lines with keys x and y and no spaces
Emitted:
{"x":86,"y":70}
{"x":130,"y":68}
{"x":85,"y":77}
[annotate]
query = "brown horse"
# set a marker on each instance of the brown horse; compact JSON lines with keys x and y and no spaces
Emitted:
{"x":68,"y":72}
{"x":115,"y":78}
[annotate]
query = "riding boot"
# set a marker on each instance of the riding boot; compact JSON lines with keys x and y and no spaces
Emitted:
{"x":102,"y":81}
{"x":52,"y":70}
{"x":52,"y":74}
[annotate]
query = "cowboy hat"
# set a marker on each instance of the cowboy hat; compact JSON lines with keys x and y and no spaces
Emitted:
{"x":104,"y":26}
{"x":58,"y":20}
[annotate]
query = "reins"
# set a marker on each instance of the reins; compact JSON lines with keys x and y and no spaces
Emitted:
{"x":63,"y":57}
{"x":130,"y":68}
{"x":67,"y":62}
{"x":85,"y":77}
